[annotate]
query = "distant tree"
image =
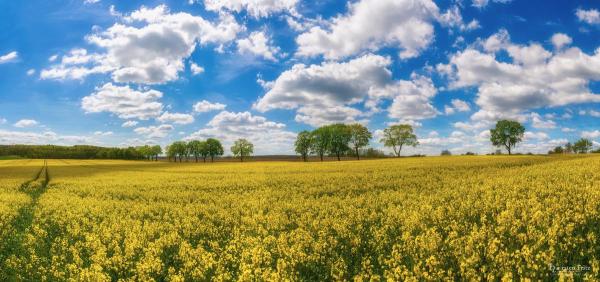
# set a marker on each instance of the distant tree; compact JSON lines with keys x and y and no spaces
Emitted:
{"x":582,"y":146}
{"x":156,"y":150}
{"x":195,"y":148}
{"x":303,"y":144}
{"x":498,"y":152}
{"x":470,"y":154}
{"x":320,"y":141}
{"x":214,"y":148}
{"x":507,"y":133}
{"x":204,"y":150}
{"x":242,"y":148}
{"x":178,"y":149}
{"x":373,"y":153}
{"x":557,"y":150}
{"x":568,"y":148}
{"x":340,"y":136}
{"x":446,"y":153}
{"x":359,"y":137}
{"x":397,"y":136}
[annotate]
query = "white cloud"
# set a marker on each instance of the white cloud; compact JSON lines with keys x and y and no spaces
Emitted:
{"x":255,"y":8}
{"x":177,"y":118}
{"x":3,"y":120}
{"x":483,"y":3}
{"x":129,"y":123}
{"x":560,"y":40}
{"x":48,"y":137}
{"x":26,"y":123}
{"x":258,"y":44}
{"x":457,"y":105}
{"x":567,"y":130}
{"x":535,"y":78}
{"x":53,"y":58}
{"x":591,"y":16}
{"x":371,"y":25}
{"x":591,"y":113}
{"x":91,"y":1}
{"x":196,"y":69}
{"x":268,"y":137}
{"x":156,"y":132}
{"x":103,"y":133}
{"x":148,"y":47}
{"x":535,"y":135}
{"x":10,"y":57}
{"x":124,"y":102}
{"x":30,"y":72}
{"x":538,"y":122}
{"x":330,"y":91}
{"x":590,"y":134}
{"x":206,"y":106}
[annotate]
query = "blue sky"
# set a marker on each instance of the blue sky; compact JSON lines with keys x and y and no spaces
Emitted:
{"x":118,"y":73}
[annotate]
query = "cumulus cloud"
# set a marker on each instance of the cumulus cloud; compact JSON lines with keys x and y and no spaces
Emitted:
{"x":258,"y":44}
{"x":254,"y":8}
{"x":129,"y":123}
{"x":156,"y":132}
{"x":148,"y":47}
{"x":457,"y":105}
{"x":560,"y":40}
{"x":590,"y":134}
{"x":124,"y":102}
{"x":371,"y":25}
{"x":48,"y":137}
{"x":206,"y":106}
{"x":103,"y":133}
{"x":268,"y":137}
{"x":330,"y":91}
{"x":483,"y":3}
{"x":177,"y":118}
{"x":3,"y":120}
{"x":26,"y":123}
{"x":591,"y":16}
{"x":196,"y":69}
{"x":30,"y":72}
{"x":538,"y":122}
{"x":10,"y":57}
{"x":534,"y":78}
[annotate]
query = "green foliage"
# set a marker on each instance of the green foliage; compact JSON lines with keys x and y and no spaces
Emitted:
{"x":507,"y":133}
{"x":242,"y":148}
{"x":195,"y":147}
{"x":303,"y":144}
{"x":446,"y":153}
{"x":213,"y":148}
{"x":397,"y":136}
{"x":582,"y":146}
{"x":320,"y":141}
{"x":359,"y":137}
{"x":340,"y":136}
{"x":70,"y":152}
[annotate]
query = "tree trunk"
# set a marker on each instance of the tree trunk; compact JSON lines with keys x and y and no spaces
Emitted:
{"x":204,"y":159}
{"x":212,"y":159}
{"x":338,"y":155}
{"x":357,"y":155}
{"x":321,"y":155}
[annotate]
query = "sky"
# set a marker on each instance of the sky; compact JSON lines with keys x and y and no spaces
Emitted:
{"x":127,"y":73}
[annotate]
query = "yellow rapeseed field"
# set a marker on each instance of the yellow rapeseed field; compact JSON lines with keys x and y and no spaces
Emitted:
{"x":412,"y":219}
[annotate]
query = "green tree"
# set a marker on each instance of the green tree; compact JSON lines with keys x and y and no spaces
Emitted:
{"x":320,"y":141}
{"x":582,"y":146}
{"x":156,"y":150}
{"x":303,"y":144}
{"x":178,"y":149}
{"x":507,"y":133}
{"x":398,"y":136}
{"x":339,"y":138}
{"x":195,"y":148}
{"x":359,"y":137}
{"x":569,"y":148}
{"x":242,"y":148}
{"x":214,"y":148}
{"x":204,"y":152}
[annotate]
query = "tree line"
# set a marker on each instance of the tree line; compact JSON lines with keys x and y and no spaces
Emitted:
{"x":209,"y":148}
{"x":349,"y":139}
{"x":81,"y":152}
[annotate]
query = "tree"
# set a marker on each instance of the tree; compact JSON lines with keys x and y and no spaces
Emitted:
{"x":507,"y":133}
{"x":582,"y":146}
{"x":339,"y":138}
{"x":446,"y":153}
{"x":195,"y":148}
{"x":178,"y":149}
{"x":320,"y":141}
{"x":569,"y":148}
{"x":156,"y":150}
{"x":204,"y":152}
{"x":214,"y":148}
{"x":303,"y":144}
{"x":557,"y":150}
{"x":359,"y":137}
{"x":242,"y":148}
{"x":397,"y":136}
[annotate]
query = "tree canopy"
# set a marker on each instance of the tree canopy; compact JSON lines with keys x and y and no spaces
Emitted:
{"x":242,"y":148}
{"x":398,"y":136}
{"x":507,"y":134}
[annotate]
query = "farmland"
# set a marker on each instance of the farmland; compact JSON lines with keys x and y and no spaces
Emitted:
{"x":435,"y":218}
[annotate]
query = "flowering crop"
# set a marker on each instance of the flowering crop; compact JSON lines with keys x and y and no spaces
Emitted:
{"x":442,"y":218}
